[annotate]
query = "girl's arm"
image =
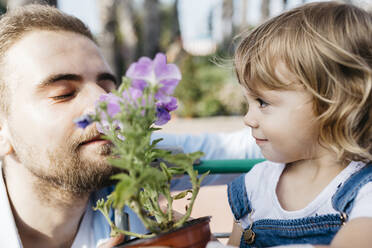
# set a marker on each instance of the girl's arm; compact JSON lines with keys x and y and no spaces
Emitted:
{"x":356,"y":233}
{"x":234,"y":145}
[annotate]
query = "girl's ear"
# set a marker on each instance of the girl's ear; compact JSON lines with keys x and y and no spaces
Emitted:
{"x":6,"y":147}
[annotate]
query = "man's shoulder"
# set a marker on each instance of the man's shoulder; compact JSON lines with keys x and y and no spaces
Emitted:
{"x":102,"y":193}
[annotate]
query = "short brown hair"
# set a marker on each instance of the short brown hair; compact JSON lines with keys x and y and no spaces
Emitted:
{"x":15,"y":23}
{"x":328,"y":47}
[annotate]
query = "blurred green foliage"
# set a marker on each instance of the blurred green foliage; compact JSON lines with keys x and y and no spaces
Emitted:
{"x":197,"y":89}
{"x":202,"y":88}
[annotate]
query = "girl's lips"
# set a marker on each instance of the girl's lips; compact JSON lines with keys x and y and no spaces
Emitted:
{"x":260,"y":141}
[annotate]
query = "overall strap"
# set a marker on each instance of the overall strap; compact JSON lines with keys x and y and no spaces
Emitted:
{"x":238,"y":198}
{"x":344,"y":197}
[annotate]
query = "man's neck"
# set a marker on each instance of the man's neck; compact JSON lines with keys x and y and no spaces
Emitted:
{"x":45,"y":216}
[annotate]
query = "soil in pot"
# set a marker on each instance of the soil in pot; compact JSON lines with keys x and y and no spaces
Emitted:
{"x":193,"y":234}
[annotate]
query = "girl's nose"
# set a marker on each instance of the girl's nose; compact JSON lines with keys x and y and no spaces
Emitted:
{"x":249,"y":120}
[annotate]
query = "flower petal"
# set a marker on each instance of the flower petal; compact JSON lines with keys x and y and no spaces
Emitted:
{"x":143,"y":69}
{"x":139,"y":84}
{"x":163,"y":70}
{"x":162,"y":97}
{"x":113,"y":108}
{"x":113,"y":103}
{"x":171,"y":105}
{"x":132,"y":95}
{"x":162,"y":115}
{"x":83,"y":121}
{"x":103,"y":126}
{"x":169,"y":85}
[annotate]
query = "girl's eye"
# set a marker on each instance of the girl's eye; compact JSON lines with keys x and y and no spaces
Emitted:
{"x":262,"y":103}
{"x":63,"y":97}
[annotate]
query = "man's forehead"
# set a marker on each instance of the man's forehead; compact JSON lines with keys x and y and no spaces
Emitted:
{"x":39,"y":53}
{"x":42,"y":44}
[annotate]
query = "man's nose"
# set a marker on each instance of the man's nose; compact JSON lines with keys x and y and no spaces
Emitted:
{"x":250,"y":119}
{"x":93,"y":93}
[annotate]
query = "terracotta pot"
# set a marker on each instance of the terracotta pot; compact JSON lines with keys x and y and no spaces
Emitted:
{"x":194,"y":234}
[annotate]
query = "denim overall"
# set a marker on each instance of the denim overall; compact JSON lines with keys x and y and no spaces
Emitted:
{"x":309,"y":230}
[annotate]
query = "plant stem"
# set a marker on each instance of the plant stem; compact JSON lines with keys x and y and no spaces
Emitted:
{"x":128,"y":233}
{"x":146,"y":221}
{"x":158,"y":213}
{"x":195,"y":190}
{"x":170,"y":206}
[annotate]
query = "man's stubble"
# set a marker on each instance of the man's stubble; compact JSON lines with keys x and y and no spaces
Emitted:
{"x":66,"y":170}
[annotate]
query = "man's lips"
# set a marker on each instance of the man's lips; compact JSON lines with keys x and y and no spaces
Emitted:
{"x":94,"y":140}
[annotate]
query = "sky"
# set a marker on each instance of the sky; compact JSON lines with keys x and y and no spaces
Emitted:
{"x":86,"y":10}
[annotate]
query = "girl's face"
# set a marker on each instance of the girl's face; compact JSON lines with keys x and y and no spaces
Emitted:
{"x":283,"y":122}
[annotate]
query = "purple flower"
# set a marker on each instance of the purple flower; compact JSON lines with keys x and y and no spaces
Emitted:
{"x":83,"y":121}
{"x":132,"y":95}
{"x":169,"y":105}
{"x":164,"y":71}
{"x":144,"y":73}
{"x":103,"y":126}
{"x":163,"y":109}
{"x":112,"y":103}
{"x":162,"y":116}
{"x":155,"y":72}
{"x":139,"y":84}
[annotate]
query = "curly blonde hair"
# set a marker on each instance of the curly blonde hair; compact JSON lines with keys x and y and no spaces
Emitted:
{"x":328,"y":47}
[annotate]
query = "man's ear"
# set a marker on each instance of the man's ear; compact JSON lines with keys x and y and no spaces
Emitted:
{"x":6,"y":147}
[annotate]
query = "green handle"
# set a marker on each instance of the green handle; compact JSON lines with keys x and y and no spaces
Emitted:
{"x":226,"y":166}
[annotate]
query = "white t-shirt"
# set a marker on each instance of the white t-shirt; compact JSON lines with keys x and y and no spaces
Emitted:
{"x":261,"y":183}
{"x":85,"y":238}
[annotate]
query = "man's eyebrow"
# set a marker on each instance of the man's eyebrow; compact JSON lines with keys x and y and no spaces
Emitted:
{"x":107,"y":76}
{"x":59,"y":77}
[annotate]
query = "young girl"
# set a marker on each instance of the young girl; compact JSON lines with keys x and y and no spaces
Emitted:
{"x":307,"y":74}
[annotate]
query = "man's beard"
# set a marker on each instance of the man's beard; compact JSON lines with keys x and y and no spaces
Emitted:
{"x":65,"y":169}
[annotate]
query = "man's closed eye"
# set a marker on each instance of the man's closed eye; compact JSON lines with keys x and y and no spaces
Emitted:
{"x":64,"y":97}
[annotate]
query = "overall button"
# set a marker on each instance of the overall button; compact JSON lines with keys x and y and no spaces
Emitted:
{"x":249,"y":236}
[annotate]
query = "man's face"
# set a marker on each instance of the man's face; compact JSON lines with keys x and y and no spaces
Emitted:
{"x":55,"y":77}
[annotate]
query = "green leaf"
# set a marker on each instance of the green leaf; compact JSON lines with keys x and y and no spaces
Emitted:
{"x":176,"y":171}
{"x":182,"y":194}
{"x":154,"y":128}
{"x":201,"y":178}
{"x":121,"y":176}
{"x":165,"y":171}
{"x":124,"y":191}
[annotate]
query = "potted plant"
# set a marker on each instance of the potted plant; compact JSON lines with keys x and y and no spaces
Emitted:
{"x":127,"y":117}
